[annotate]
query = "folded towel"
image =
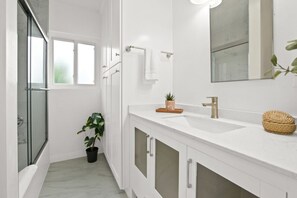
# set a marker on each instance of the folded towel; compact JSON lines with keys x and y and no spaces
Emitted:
{"x":152,"y":63}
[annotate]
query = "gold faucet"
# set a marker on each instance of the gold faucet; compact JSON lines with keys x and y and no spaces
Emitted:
{"x":214,"y":107}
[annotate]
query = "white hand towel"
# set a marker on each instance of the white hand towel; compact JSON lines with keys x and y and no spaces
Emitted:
{"x":147,"y":61}
{"x":152,"y":63}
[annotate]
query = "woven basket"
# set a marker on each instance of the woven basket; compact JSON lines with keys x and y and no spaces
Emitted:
{"x":278,"y":117}
{"x":285,"y":129}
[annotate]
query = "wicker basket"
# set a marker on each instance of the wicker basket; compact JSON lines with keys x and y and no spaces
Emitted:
{"x":285,"y":129}
{"x":278,"y":117}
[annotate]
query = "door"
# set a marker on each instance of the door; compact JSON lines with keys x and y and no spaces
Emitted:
{"x":23,"y":94}
{"x":158,"y":164}
{"x":115,"y":31}
{"x":141,"y":144}
{"x":105,"y":104}
{"x":115,"y":123}
{"x":38,"y":90}
{"x":32,"y":88}
{"x":168,"y":164}
{"x":208,"y":177}
{"x":105,"y":35}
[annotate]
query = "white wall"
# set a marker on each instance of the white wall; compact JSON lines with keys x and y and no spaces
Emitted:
{"x":68,"y":111}
{"x":8,"y":99}
{"x":192,"y":63}
{"x":69,"y":108}
{"x":69,"y":16}
{"x":145,"y":24}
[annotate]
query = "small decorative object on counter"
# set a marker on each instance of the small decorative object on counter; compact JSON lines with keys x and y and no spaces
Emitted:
{"x":96,"y":122}
{"x":170,"y":101}
{"x":164,"y":110}
{"x":279,"y":122}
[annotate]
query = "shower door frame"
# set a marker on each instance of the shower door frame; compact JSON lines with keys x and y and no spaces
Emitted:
{"x":32,"y":19}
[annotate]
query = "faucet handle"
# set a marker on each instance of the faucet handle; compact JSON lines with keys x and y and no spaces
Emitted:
{"x":213,"y":98}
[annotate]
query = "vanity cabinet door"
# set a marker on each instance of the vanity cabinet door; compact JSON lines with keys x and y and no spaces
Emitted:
{"x":168,"y":167}
{"x":210,"y":178}
{"x":140,"y":171}
{"x":269,"y":191}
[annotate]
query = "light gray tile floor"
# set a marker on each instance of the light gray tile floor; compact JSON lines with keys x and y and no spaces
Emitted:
{"x":79,"y":179}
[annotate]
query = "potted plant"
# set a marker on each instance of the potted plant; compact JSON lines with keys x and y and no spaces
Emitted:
{"x":290,"y":69}
{"x":170,"y":102}
{"x":96,"y":122}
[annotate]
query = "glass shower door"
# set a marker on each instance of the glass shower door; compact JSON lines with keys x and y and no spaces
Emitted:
{"x":23,"y":118}
{"x":32,"y":88}
{"x":38,"y":91}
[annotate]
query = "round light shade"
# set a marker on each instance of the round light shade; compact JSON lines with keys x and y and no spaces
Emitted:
{"x":198,"y":1}
{"x":214,"y":3}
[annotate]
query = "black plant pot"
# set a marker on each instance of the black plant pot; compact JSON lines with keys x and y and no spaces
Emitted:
{"x":92,"y":154}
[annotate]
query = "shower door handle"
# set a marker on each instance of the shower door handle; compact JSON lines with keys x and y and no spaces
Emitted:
{"x":37,"y":89}
{"x":20,"y":121}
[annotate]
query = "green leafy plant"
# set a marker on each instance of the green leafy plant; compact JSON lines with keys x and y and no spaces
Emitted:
{"x":170,"y":97}
{"x":290,"y":69}
{"x":96,"y":122}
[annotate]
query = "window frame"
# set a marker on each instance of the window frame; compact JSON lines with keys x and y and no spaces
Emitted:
{"x":75,"y":64}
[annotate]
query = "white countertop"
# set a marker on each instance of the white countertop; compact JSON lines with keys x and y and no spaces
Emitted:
{"x":277,"y":151}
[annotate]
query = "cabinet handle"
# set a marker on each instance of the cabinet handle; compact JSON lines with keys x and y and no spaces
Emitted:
{"x":189,"y":162}
{"x":287,"y":195}
{"x":148,"y":151}
{"x":104,"y":66}
{"x":151,"y":140}
{"x":116,"y":71}
{"x":117,"y":54}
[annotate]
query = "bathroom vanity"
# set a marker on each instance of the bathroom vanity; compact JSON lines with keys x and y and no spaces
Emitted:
{"x":188,"y":155}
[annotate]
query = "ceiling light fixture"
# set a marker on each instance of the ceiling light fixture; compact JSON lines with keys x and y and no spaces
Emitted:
{"x":214,"y":3}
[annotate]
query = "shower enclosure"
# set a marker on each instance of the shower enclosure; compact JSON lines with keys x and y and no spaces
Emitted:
{"x":32,"y":87}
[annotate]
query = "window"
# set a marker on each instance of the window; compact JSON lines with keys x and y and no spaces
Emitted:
{"x":74,"y":63}
{"x":85,"y":64}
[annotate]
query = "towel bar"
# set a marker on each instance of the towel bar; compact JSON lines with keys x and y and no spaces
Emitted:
{"x":168,"y":54}
{"x":128,"y":49}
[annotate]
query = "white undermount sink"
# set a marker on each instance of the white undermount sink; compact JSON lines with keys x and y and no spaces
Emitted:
{"x":204,"y":124}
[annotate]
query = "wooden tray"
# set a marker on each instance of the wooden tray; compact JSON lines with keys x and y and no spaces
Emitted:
{"x":164,"y":110}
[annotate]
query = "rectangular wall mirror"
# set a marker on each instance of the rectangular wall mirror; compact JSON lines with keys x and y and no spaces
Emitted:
{"x":241,"y":40}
